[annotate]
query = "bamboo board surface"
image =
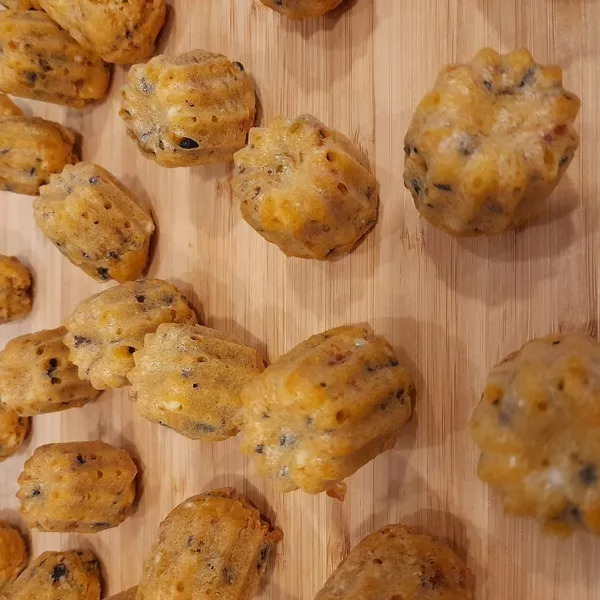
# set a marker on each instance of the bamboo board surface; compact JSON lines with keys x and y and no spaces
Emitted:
{"x":452,"y":308}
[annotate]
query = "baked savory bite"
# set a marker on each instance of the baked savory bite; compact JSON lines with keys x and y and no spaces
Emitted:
{"x":305,"y":187}
{"x":21,"y":4}
{"x":13,"y":431}
{"x":95,"y":222}
{"x":490,"y":142}
{"x":15,"y":289}
{"x":300,"y":9}
{"x":188,"y":110}
{"x":68,"y":575}
{"x":32,"y":149}
{"x":8,"y":108}
{"x":393,"y":563}
{"x":189,"y":378}
{"x":40,"y":60}
{"x":538,"y":428}
{"x":13,"y":554}
{"x":216,"y":542}
{"x":36,"y":375}
{"x":78,"y":486}
{"x":130,"y":594}
{"x":325,"y":409}
{"x":120,"y":32}
{"x":106,"y":329}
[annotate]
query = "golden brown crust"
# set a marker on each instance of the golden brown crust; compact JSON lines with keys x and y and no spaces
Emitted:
{"x":106,"y":329}
{"x":300,"y":9}
{"x":393,"y":563}
{"x":40,"y":60}
{"x":325,"y":409}
{"x":189,"y":378}
{"x":37,"y":377}
{"x":69,"y":575}
{"x":120,"y":32}
{"x":21,"y":4}
{"x":13,"y":554}
{"x":8,"y":108}
{"x":305,"y":187}
{"x":15,"y":289}
{"x":216,"y":542}
{"x":95,"y":222}
{"x":79,"y":486}
{"x":188,"y":110}
{"x":13,"y":431}
{"x":490,"y":142}
{"x":31,"y":150}
{"x":538,"y":427}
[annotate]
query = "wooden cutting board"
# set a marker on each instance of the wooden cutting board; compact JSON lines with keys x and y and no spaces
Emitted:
{"x":451,"y":307}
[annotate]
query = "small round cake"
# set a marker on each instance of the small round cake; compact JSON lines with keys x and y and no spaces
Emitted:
{"x":13,"y":431}
{"x":80,"y":486}
{"x":36,"y":375}
{"x":306,"y":188}
{"x":120,"y":32}
{"x":538,"y":428}
{"x":489,"y":143}
{"x":68,"y":575}
{"x":8,"y":108}
{"x":325,"y":409}
{"x":300,"y":9}
{"x":31,"y":150}
{"x":95,"y":222}
{"x":394,"y":564}
{"x":106,"y":329}
{"x":15,"y":289}
{"x":13,"y":554}
{"x":188,"y":110}
{"x":216,"y":542}
{"x":189,"y":378}
{"x":39,"y":60}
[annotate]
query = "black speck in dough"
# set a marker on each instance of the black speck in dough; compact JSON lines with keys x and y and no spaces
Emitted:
{"x":588,"y":474}
{"x":102,"y":273}
{"x":188,"y":144}
{"x":58,"y":572}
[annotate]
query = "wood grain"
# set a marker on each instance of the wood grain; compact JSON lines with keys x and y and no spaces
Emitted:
{"x":451,"y":307}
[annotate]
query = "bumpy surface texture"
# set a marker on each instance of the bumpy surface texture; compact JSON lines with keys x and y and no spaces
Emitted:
{"x":120,"y":31}
{"x":13,"y":554}
{"x":107,"y":328}
{"x":37,"y":377}
{"x":95,"y":222}
{"x":129,"y":594}
{"x":32,"y":149}
{"x":538,"y":427}
{"x":325,"y":409}
{"x":393,"y":564}
{"x":189,"y":378}
{"x":40,"y":60}
{"x":13,"y":431}
{"x":21,"y":4}
{"x":300,"y":9}
{"x":8,"y":108}
{"x":78,"y":486}
{"x":305,"y":187}
{"x":69,"y":575}
{"x":15,"y":289}
{"x":188,"y":110}
{"x":215,"y":545}
{"x":489,"y":143}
